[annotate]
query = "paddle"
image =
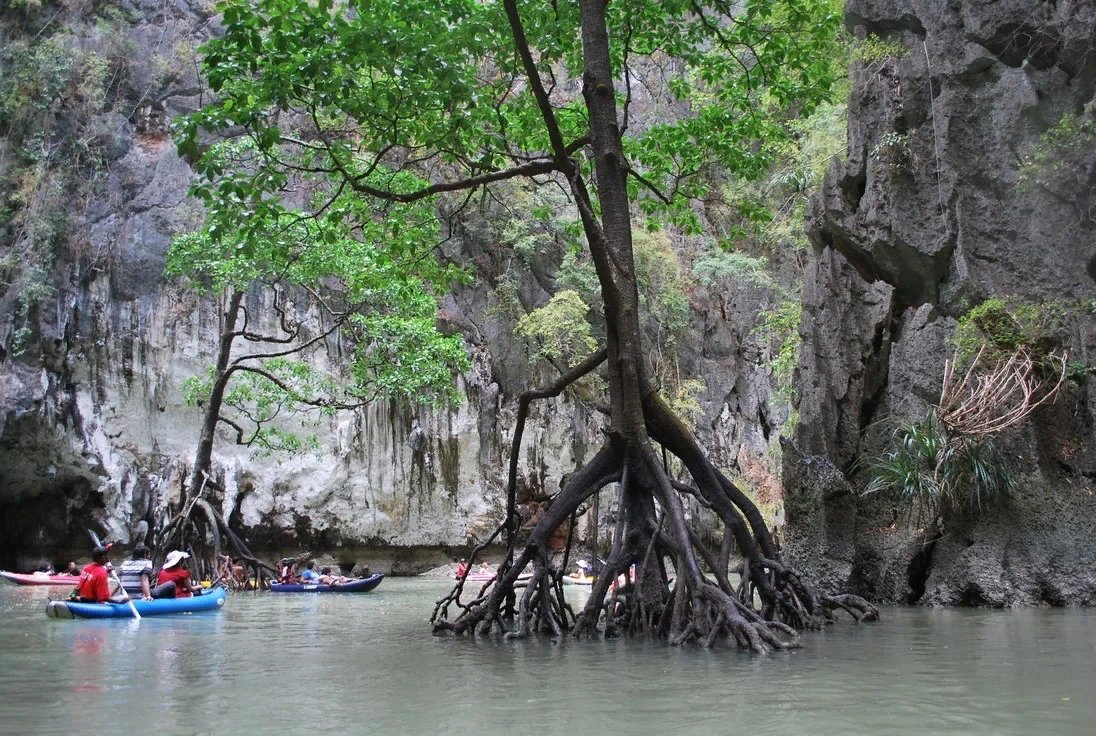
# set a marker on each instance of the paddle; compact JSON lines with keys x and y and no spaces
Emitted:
{"x":125,"y":592}
{"x":114,"y":577}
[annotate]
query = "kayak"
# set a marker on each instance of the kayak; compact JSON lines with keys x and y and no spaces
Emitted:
{"x":576,"y":580}
{"x":361,"y":585}
{"x":211,"y":600}
{"x":40,"y":578}
{"x":483,"y":577}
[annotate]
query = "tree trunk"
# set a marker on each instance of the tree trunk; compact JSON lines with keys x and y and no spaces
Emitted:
{"x":203,"y":458}
{"x":652,"y":524}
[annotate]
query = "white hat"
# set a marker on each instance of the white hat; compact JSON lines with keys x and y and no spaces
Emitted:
{"x":174,"y":558}
{"x":583,"y":563}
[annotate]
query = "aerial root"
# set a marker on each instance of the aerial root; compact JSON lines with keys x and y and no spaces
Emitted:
{"x":713,"y":613}
{"x":854,"y":605}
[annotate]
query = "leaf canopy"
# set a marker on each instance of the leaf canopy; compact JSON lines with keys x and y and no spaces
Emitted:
{"x":359,"y":91}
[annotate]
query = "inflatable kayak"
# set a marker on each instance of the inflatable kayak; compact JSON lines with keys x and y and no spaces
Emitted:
{"x":361,"y":585}
{"x":211,"y":600}
{"x":40,"y":578}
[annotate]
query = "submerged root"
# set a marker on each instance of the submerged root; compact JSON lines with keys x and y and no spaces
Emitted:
{"x":673,"y":587}
{"x":857,"y":607}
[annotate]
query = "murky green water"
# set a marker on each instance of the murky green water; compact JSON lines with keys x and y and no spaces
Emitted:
{"x":285,"y":664}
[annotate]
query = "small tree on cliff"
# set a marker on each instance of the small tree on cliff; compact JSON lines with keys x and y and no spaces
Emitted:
{"x":365,"y":277}
{"x":466,"y":93}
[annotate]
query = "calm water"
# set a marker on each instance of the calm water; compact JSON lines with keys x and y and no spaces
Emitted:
{"x":284,"y":664}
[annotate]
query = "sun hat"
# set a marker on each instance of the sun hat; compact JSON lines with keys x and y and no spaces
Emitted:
{"x":583,"y":563}
{"x":174,"y":558}
{"x":100,"y":551}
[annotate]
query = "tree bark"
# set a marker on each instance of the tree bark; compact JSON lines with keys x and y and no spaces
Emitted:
{"x":203,"y":458}
{"x":652,"y":523}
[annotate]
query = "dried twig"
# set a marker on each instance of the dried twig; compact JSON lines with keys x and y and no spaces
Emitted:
{"x":986,"y":401}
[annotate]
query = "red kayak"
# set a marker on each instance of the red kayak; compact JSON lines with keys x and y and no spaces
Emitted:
{"x":40,"y":578}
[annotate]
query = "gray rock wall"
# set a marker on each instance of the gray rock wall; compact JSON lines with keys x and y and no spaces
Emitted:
{"x":94,"y":432}
{"x":929,"y":215}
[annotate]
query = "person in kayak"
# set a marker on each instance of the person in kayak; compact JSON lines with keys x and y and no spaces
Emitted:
{"x":174,"y":579}
{"x":72,"y":569}
{"x":136,"y":574}
{"x":309,"y":576}
{"x":94,"y":585}
{"x":328,"y":579}
{"x":288,"y":572}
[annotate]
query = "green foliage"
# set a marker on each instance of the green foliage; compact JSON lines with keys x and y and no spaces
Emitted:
{"x":398,"y":100}
{"x":525,"y":242}
{"x":662,"y":288}
{"x":373,"y":260}
{"x":721,"y":269}
{"x":684,"y":398}
{"x":579,"y":276}
{"x":1002,"y":326}
{"x":933,"y":475}
{"x":559,"y":329}
{"x":360,"y":66}
{"x":402,"y":354}
{"x":1060,"y":154}
{"x":893,"y":150}
{"x":800,"y":162}
{"x":873,"y":49}
{"x":773,"y":214}
{"x":260,"y":398}
{"x":781,"y":325}
{"x":56,"y":80}
{"x":667,"y":314}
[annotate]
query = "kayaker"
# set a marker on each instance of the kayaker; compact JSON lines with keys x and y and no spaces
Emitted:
{"x":238,"y":570}
{"x":328,"y":579}
{"x":174,"y":579}
{"x":94,"y":585}
{"x":310,"y":575}
{"x":287,"y":574}
{"x":72,"y":569}
{"x":136,"y":574}
{"x":462,"y":567}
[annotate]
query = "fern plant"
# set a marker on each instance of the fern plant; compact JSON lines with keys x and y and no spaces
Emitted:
{"x":934,"y":475}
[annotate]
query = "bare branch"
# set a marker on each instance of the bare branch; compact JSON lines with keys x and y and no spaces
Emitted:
{"x":988,"y":400}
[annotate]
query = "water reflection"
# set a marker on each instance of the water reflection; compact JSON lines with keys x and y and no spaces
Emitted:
{"x":277,"y":664}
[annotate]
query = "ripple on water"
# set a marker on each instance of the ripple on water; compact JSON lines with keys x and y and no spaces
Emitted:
{"x":278,"y":664}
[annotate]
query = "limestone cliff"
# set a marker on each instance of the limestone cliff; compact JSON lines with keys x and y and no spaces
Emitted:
{"x":935,"y":209}
{"x":93,"y":428}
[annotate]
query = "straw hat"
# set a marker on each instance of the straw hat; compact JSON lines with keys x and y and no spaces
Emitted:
{"x":174,"y":558}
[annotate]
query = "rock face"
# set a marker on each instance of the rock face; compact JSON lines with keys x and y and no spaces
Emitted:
{"x":94,"y":432}
{"x":931,"y":213}
{"x":943,"y":201}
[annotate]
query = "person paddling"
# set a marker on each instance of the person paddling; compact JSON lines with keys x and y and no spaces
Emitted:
{"x":94,"y":585}
{"x":174,"y":579}
{"x":136,"y":574}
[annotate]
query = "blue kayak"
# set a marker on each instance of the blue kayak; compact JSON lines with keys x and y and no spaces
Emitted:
{"x":361,"y":585}
{"x":211,"y":600}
